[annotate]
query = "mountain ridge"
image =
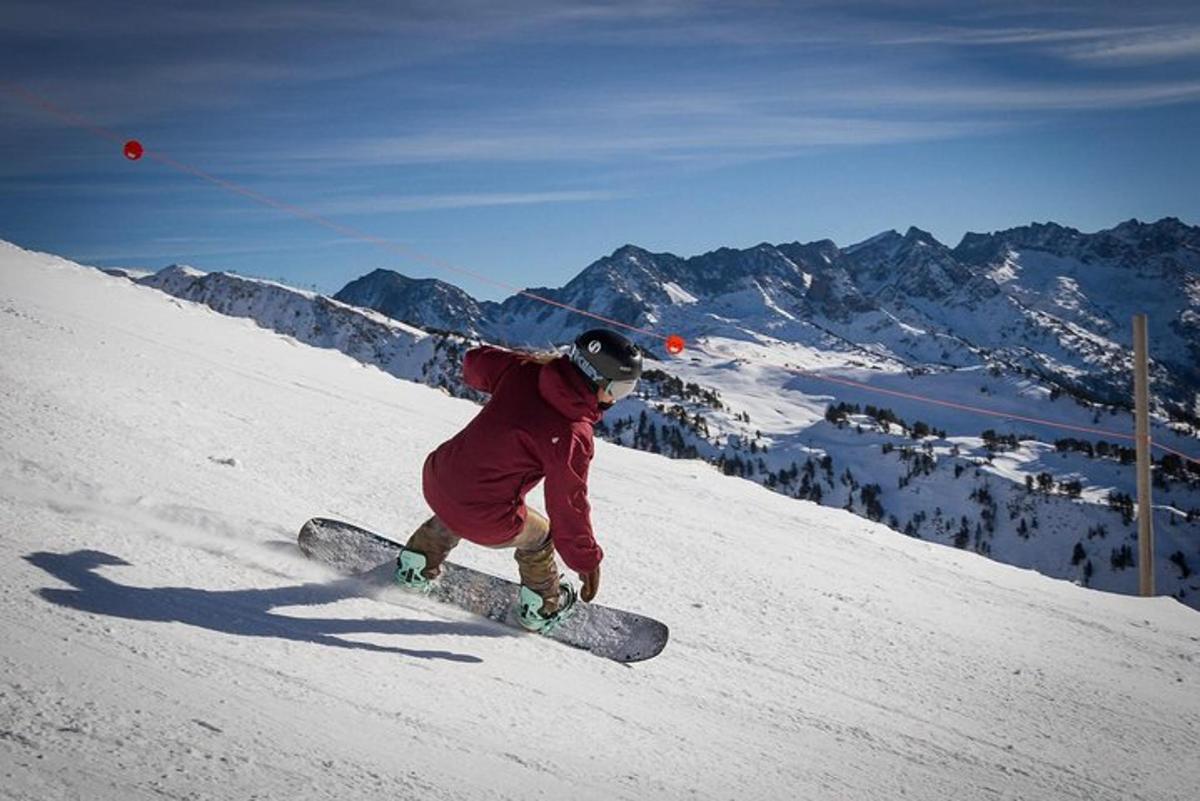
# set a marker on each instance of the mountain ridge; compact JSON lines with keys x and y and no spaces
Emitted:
{"x":1043,"y":298}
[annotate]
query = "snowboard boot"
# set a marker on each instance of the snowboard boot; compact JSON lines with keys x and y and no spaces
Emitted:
{"x":532,"y":611}
{"x":420,"y":559}
{"x":410,"y":570}
{"x":539,"y":571}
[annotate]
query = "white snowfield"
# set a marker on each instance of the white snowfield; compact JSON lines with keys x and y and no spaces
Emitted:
{"x":160,"y":635}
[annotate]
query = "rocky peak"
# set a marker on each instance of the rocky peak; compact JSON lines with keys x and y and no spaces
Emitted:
{"x":884,"y":242}
{"x":426,"y":302}
{"x":915,"y":236}
{"x":913,"y":264}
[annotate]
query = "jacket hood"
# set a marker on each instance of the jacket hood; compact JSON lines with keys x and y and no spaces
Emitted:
{"x":564,"y":388}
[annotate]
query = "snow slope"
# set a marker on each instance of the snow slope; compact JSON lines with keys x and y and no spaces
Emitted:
{"x":161,"y":636}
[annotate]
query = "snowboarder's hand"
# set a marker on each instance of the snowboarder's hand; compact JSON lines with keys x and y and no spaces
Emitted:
{"x":591,"y":583}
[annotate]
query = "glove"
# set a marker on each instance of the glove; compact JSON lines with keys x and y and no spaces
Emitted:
{"x":591,"y":583}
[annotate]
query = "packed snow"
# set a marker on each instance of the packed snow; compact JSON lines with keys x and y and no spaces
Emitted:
{"x":163,"y":636}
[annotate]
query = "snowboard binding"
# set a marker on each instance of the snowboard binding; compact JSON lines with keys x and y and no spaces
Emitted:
{"x":410,"y":570}
{"x":529,"y":609}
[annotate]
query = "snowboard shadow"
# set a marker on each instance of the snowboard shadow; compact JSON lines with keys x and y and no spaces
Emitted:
{"x":246,"y":612}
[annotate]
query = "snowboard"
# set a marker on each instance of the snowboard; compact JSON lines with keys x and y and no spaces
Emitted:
{"x":610,"y":633}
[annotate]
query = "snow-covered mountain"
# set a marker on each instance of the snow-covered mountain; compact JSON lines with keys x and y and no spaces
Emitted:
{"x":762,"y":396}
{"x":1044,"y":300}
{"x":313,"y":319}
{"x":162,"y":637}
{"x":1069,"y":298}
{"x":434,"y":303}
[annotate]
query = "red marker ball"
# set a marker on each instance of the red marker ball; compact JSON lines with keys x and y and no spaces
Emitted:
{"x":133,"y":150}
{"x":674,"y":344}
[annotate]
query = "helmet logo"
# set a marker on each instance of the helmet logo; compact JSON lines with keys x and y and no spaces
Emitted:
{"x":594,"y":346}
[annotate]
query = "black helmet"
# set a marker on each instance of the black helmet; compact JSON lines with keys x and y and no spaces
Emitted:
{"x":608,"y":360}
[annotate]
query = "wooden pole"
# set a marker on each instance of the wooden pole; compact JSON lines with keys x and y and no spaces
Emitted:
{"x":1141,"y":393}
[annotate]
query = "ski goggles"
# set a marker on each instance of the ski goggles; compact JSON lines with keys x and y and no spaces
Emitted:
{"x":620,"y":389}
{"x":617,"y":388}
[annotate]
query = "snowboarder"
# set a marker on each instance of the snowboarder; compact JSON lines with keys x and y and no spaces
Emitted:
{"x":537,"y":423}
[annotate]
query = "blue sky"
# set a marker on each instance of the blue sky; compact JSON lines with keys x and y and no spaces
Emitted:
{"x":523,"y":140}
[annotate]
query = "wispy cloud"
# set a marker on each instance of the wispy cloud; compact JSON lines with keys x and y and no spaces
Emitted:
{"x":958,"y":35}
{"x":1119,"y":45}
{"x":1140,"y":47}
{"x":1053,"y":97}
{"x":732,"y":123}
{"x":756,"y":137}
{"x":766,"y":80}
{"x":161,"y":251}
{"x":388,"y":204}
{"x":138,"y":61}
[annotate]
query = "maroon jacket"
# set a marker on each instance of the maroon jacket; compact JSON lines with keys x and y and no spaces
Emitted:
{"x":538,"y":423}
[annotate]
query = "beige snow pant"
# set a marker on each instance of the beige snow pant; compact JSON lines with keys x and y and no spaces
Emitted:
{"x":534,"y":554}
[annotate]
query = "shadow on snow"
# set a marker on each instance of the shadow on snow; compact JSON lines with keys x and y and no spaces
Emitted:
{"x":243,"y":612}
